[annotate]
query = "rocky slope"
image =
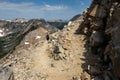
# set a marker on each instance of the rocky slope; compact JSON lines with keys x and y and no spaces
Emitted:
{"x":102,"y":21}
{"x":11,"y":33}
{"x":86,"y":49}
{"x":60,"y":58}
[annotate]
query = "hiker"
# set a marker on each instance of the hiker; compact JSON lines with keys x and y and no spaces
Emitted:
{"x":47,"y":37}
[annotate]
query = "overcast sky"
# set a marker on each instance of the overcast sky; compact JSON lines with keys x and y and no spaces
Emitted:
{"x":47,"y":9}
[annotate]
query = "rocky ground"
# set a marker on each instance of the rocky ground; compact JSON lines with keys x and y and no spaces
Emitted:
{"x":86,"y":49}
{"x":35,"y":59}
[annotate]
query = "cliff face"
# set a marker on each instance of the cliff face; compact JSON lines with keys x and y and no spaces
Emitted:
{"x":102,"y":22}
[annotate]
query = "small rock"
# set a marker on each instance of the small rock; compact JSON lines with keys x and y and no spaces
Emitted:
{"x":85,"y":76}
{"x":58,"y":49}
{"x":38,"y":37}
{"x":94,"y":70}
{"x":74,"y":78}
{"x":70,"y":22}
{"x":97,"y":24}
{"x":26,"y":43}
{"x":68,"y":29}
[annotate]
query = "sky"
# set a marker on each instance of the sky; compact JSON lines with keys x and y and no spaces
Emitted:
{"x":45,"y":9}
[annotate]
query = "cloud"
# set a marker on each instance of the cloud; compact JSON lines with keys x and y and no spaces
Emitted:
{"x":22,"y":7}
{"x":52,"y":8}
{"x":15,"y":6}
{"x":30,"y":10}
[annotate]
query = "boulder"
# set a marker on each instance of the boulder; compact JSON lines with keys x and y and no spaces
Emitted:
{"x":98,"y":11}
{"x":94,"y":70}
{"x":97,"y":38}
{"x":6,"y":73}
{"x":97,"y":24}
{"x":58,"y":52}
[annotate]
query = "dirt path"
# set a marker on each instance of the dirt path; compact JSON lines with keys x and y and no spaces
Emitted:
{"x":34,"y":62}
{"x":40,"y":58}
{"x":51,"y":69}
{"x":62,"y":69}
{"x":55,"y":70}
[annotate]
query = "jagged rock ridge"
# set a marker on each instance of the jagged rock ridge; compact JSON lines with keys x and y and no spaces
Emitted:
{"x":101,"y":26}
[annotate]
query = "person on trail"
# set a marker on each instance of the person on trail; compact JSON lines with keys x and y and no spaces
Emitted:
{"x":47,"y":37}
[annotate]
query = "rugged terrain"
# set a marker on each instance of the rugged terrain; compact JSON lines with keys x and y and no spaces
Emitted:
{"x":34,"y":58}
{"x":86,"y":49}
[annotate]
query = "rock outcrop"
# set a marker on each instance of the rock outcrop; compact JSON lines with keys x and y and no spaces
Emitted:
{"x":6,"y":73}
{"x":103,"y":25}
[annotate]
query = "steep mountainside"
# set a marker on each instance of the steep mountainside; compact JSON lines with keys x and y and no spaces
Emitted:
{"x":11,"y":33}
{"x":102,"y":22}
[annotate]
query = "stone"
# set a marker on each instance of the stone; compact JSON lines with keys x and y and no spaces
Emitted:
{"x":69,"y":23}
{"x":102,"y":12}
{"x":74,"y":78}
{"x":94,"y":70}
{"x":58,"y":49}
{"x":108,"y":76}
{"x":94,"y":10}
{"x":107,"y":53}
{"x":68,"y":29}
{"x":26,"y":43}
{"x":85,"y":76}
{"x":97,"y":24}
{"x":58,"y":52}
{"x":6,"y":73}
{"x":98,"y":11}
{"x":37,"y":37}
{"x":98,"y":78}
{"x":97,"y":38}
{"x":84,"y":24}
